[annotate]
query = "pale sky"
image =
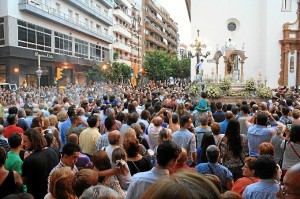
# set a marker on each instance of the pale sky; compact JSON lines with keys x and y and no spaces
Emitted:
{"x":178,"y":12}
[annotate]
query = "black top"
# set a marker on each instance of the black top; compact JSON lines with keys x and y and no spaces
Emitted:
{"x":141,"y":165}
{"x":36,"y":168}
{"x":219,"y":116}
{"x":8,"y":186}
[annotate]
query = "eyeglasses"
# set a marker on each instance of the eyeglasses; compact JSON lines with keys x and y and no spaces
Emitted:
{"x":286,"y":193}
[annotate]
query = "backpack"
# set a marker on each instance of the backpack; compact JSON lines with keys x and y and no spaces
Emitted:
{"x":202,"y":106}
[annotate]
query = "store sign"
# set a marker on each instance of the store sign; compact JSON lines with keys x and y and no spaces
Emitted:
{"x":44,"y":55}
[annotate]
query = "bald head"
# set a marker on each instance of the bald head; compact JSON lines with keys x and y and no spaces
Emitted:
{"x":182,"y":156}
{"x":114,"y":137}
{"x":73,"y":138}
{"x":228,"y":115}
{"x":157,"y":121}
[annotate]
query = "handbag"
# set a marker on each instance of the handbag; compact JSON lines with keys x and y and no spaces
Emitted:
{"x":237,"y":171}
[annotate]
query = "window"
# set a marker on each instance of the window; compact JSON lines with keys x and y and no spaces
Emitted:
{"x":86,"y":22}
{"x":105,"y":54}
{"x":286,"y":6}
{"x":63,"y":44}
{"x":57,"y":5}
{"x":98,"y":8}
{"x":77,"y":17}
{"x":231,"y":26}
{"x":2,"y":38}
{"x":105,"y":30}
{"x":34,"y":37}
{"x":95,"y":52}
{"x":70,"y":14}
{"x":81,"y":48}
{"x":92,"y":24}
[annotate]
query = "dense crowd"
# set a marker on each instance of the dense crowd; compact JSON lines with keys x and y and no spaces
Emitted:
{"x":152,"y":141}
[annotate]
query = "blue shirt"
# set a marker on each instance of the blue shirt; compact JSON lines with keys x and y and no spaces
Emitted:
{"x":63,"y":130}
{"x":223,"y":125}
{"x":258,"y":134}
{"x":217,"y":169}
{"x":185,"y":139}
{"x":141,"y":181}
{"x":265,"y":189}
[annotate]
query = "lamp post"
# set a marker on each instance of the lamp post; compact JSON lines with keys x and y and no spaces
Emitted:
{"x":39,"y":74}
{"x":199,"y":46}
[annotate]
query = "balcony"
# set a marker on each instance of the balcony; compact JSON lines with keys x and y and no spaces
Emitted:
{"x":119,"y":13}
{"x":108,"y":3}
{"x":122,"y":30}
{"x":122,"y":46}
{"x":135,"y":40}
{"x":156,"y":41}
{"x":135,"y":52}
{"x":92,"y":10}
{"x":124,"y":59}
{"x":154,"y":29}
{"x":49,"y":13}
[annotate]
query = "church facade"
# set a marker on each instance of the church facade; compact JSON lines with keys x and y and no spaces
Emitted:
{"x":249,"y":39}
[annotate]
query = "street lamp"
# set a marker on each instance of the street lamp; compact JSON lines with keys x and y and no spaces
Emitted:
{"x":200,"y":46}
{"x":39,"y":74}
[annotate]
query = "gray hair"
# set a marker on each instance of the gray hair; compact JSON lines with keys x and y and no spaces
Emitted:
{"x":212,"y":153}
{"x":109,"y":112}
{"x":100,"y":192}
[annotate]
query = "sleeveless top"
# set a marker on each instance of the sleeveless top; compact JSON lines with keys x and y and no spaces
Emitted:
{"x":8,"y":186}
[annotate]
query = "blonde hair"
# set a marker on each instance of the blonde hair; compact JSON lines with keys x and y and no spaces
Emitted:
{"x":53,"y":120}
{"x":183,"y":184}
{"x":129,"y":134}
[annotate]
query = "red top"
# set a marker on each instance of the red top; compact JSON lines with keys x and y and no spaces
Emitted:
{"x":12,"y":129}
{"x":240,"y":185}
{"x":180,"y":166}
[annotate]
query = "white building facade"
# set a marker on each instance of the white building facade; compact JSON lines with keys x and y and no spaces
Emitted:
{"x":71,"y":34}
{"x":255,"y":27}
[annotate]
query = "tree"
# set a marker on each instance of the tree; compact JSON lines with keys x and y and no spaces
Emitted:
{"x":95,"y":74}
{"x":183,"y":69}
{"x":118,"y":71}
{"x":158,"y":65}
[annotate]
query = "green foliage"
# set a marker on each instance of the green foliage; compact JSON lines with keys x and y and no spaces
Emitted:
{"x":264,"y":92}
{"x":194,"y":89}
{"x":225,"y":84}
{"x":95,"y":74}
{"x":118,"y":70}
{"x":250,"y":85}
{"x":160,"y":65}
{"x":116,"y":55}
{"x":214,"y":91}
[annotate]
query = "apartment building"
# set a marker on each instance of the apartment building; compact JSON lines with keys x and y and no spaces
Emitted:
{"x":126,"y":32}
{"x":72,"y":35}
{"x":160,"y":32}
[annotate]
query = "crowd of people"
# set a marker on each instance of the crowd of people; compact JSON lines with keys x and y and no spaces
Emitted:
{"x":152,"y":141}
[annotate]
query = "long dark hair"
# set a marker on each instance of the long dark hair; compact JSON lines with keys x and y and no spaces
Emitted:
{"x":207,"y":140}
{"x":233,"y":136}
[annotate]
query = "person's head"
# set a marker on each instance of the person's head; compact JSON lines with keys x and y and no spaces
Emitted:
{"x":33,"y":140}
{"x":219,"y":105}
{"x":145,"y":115}
{"x":228,"y":115}
{"x":36,"y":122}
{"x":215,"y":128}
{"x":245,"y":109}
{"x":61,"y":183}
{"x":110,"y":123}
{"x":183,"y":184}
{"x":175,"y":118}
{"x":100,"y":192}
{"x":262,"y":119}
{"x":93,"y":121}
{"x":157,"y":121}
{"x":185,"y":121}
{"x":265,"y":167}
{"x":266,"y":148}
{"x":164,"y":135}
{"x":73,"y":138}
{"x":131,"y":147}
{"x":110,"y":112}
{"x":212,"y":153}
{"x":207,"y":140}
{"x":248,"y":168}
{"x":114,"y":137}
{"x":12,"y":119}
{"x":83,"y":180}
{"x":167,"y":153}
{"x":203,"y":120}
{"x":50,"y":139}
{"x":285,"y":111}
{"x":231,"y":195}
{"x":1,"y":129}
{"x":15,"y":140}
{"x":53,"y":120}
{"x":3,"y":156}
{"x":294,"y":134}
{"x":296,"y":113}
{"x":70,"y":154}
{"x":204,"y":95}
{"x":101,"y":161}
{"x":137,"y":128}
{"x":129,"y":134}
{"x":291,"y":186}
{"x":183,"y":156}
{"x":118,"y":154}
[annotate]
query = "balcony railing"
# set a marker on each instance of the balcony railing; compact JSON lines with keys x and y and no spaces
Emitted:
{"x":108,"y":3}
{"x":152,"y":27}
{"x":62,"y":18}
{"x":122,"y":30}
{"x":118,"y":44}
{"x":92,"y":10}
{"x":135,"y":52}
{"x":135,"y":40}
{"x":119,"y":12}
{"x":156,"y":41}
